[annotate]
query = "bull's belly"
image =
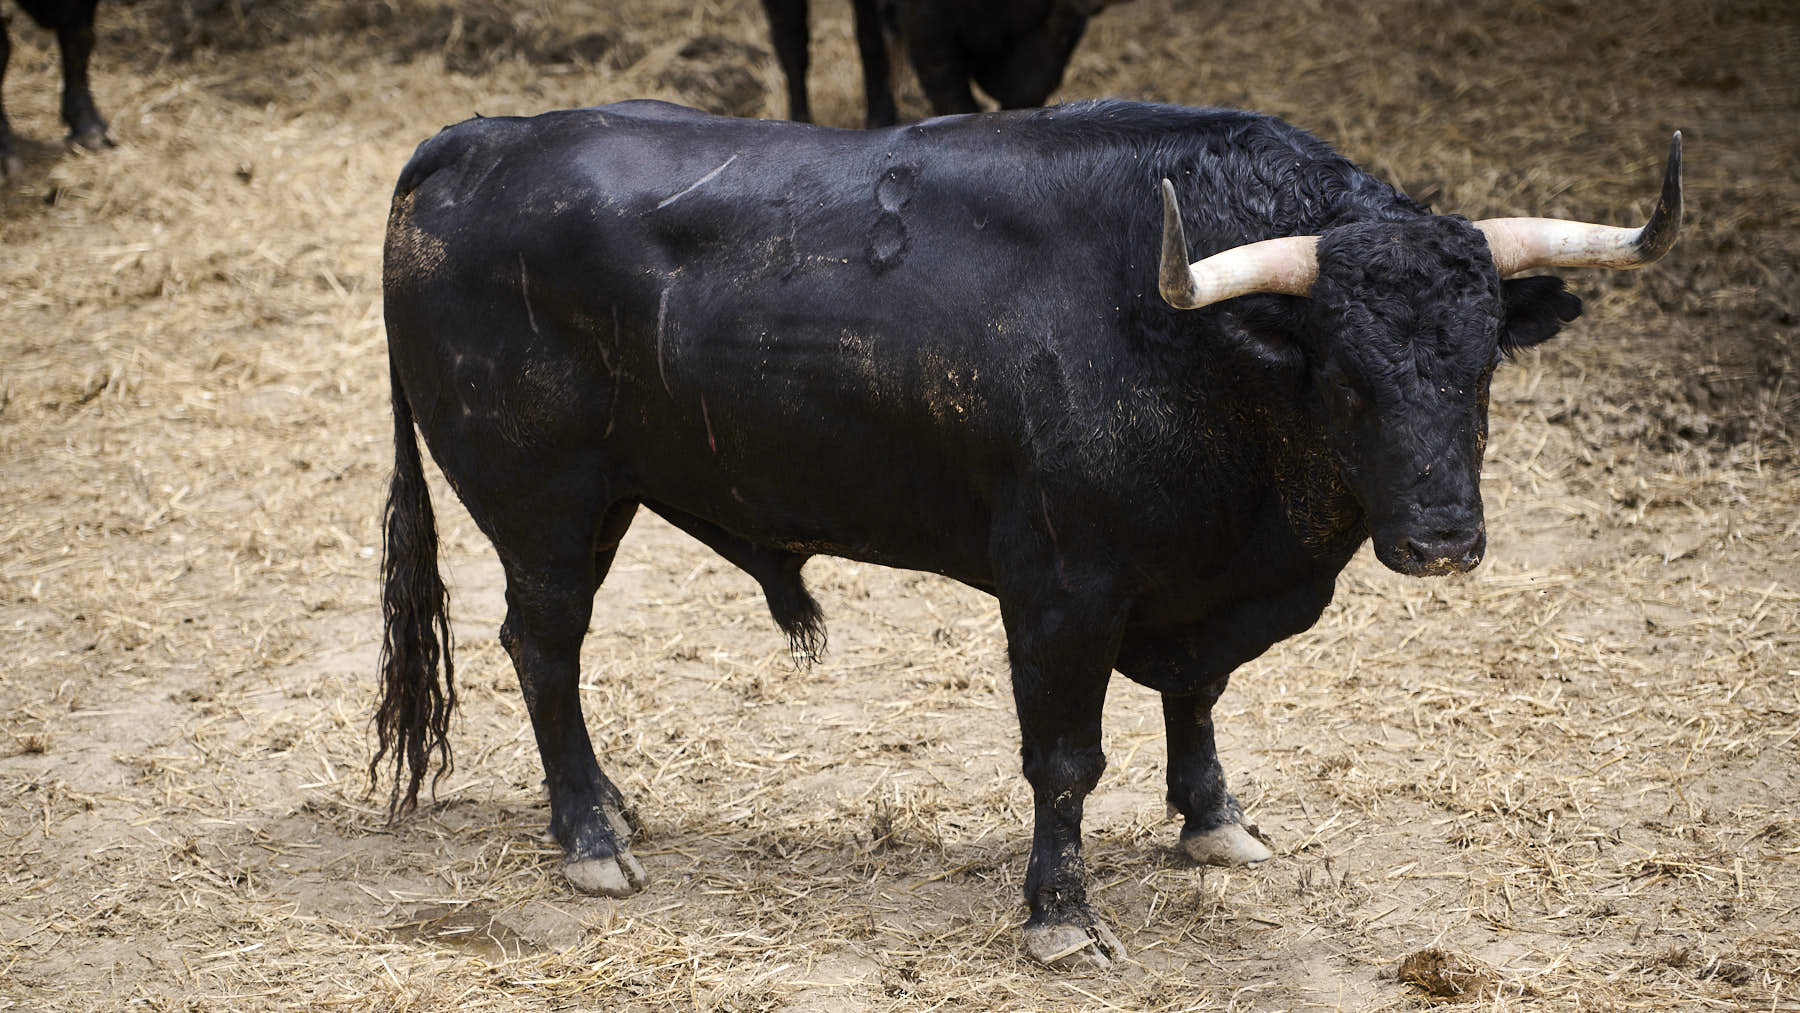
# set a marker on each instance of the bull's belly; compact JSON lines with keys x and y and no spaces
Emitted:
{"x":909,"y":521}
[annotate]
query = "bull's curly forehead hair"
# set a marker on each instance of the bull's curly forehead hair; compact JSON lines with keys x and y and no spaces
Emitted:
{"x":1434,"y":251}
{"x":1430,"y":287}
{"x":1426,"y":284}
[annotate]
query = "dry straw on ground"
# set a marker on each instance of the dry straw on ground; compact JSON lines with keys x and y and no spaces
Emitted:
{"x":1574,"y":769}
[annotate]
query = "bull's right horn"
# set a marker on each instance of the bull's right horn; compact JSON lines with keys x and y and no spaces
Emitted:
{"x":1288,"y":265}
{"x":1521,"y":244}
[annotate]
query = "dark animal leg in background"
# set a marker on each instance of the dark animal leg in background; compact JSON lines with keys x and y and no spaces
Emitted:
{"x":789,"y":31}
{"x":1212,"y":830}
{"x":75,"y":36}
{"x":73,"y":24}
{"x":10,"y":162}
{"x":1027,"y":74}
{"x":549,"y":599}
{"x":937,"y":56}
{"x":1061,"y":650}
{"x":871,"y":43}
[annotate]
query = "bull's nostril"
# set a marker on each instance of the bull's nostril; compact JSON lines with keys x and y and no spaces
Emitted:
{"x":1442,"y":551}
{"x":1408,"y":550}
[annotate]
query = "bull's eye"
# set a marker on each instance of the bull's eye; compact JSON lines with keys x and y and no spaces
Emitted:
{"x":1349,"y":399}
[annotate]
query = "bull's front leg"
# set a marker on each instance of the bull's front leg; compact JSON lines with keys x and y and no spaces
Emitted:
{"x":1190,"y":668}
{"x":788,"y":31}
{"x":937,"y":57}
{"x":1212,"y":829}
{"x":1061,"y":643}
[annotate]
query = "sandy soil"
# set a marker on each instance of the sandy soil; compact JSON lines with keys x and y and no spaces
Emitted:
{"x":1573,"y":773}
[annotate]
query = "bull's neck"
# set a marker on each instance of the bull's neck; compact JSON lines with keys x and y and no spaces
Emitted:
{"x":1324,"y":515}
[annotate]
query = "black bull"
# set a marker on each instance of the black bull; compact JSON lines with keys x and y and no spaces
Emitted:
{"x":1015,"y":49}
{"x":940,"y":347}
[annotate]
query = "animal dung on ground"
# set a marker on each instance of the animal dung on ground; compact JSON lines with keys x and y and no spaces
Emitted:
{"x":1450,"y":977}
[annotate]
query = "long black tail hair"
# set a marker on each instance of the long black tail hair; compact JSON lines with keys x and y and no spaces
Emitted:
{"x":413,"y":719}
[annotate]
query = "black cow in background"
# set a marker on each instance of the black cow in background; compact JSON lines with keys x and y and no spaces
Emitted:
{"x":790,"y":33}
{"x":947,"y":347}
{"x":1015,"y":50}
{"x":73,"y":23}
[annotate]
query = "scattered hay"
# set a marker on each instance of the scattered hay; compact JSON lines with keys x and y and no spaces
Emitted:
{"x":1572,"y":770}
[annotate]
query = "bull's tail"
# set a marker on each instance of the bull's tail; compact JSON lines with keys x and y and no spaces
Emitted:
{"x":796,"y":611}
{"x":413,"y":719}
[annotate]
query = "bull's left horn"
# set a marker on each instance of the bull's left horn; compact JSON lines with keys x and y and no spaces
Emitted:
{"x":1521,"y":244}
{"x":1288,"y":265}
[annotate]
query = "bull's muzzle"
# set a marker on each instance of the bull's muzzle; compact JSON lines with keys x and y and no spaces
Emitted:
{"x":1434,"y":553}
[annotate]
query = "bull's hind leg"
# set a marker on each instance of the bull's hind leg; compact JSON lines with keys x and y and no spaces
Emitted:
{"x":549,"y":599}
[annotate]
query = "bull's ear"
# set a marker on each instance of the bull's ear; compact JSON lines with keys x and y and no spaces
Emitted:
{"x":1536,"y":309}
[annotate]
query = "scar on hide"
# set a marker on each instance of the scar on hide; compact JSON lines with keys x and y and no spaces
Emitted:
{"x":1062,"y":576}
{"x":525,"y":291}
{"x":711,"y":444}
{"x":617,"y":371}
{"x":887,"y":237}
{"x":895,"y":189}
{"x":662,"y":316}
{"x":696,"y":184}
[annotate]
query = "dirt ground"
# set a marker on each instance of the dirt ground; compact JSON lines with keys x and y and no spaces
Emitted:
{"x":1569,"y":780}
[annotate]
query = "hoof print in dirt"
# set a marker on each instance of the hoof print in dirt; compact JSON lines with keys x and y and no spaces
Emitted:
{"x":1228,"y":845}
{"x":1066,"y":947}
{"x":618,"y":876}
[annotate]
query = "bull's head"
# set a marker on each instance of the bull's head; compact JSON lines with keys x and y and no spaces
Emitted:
{"x":1405,"y":323}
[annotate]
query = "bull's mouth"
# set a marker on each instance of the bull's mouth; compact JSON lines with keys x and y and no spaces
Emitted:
{"x":1432,"y":553}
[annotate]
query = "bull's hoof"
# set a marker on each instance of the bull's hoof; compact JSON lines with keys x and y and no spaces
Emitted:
{"x":92,"y":137}
{"x":618,"y":876}
{"x":1066,"y":947}
{"x":621,"y":827}
{"x":1229,"y":844}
